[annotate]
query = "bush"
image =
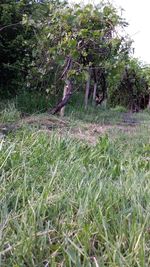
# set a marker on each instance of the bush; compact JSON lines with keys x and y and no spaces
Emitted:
{"x":119,"y":109}
{"x":33,"y":102}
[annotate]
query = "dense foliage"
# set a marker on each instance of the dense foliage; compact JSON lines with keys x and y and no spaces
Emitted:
{"x":14,"y":45}
{"x":48,"y":44}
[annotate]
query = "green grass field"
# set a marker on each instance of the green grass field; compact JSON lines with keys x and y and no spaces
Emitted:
{"x":66,"y":201}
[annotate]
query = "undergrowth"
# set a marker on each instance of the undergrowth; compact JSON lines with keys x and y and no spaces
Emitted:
{"x":30,"y":103}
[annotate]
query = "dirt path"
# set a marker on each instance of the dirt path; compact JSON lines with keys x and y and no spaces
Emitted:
{"x":84,"y":131}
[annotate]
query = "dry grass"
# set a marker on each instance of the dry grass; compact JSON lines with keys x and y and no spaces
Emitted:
{"x":89,"y":132}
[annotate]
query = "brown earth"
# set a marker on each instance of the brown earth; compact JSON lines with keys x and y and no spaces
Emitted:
{"x":85,"y":131}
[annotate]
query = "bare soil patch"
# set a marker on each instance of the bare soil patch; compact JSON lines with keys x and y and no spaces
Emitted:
{"x":91,"y":132}
{"x":88,"y":131}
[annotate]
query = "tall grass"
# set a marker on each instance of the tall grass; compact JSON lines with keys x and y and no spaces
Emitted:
{"x":9,"y":112}
{"x":93,"y":114}
{"x":31,"y":102}
{"x":66,"y":203}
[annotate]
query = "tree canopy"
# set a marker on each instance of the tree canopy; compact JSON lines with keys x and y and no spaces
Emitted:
{"x":46,"y":45}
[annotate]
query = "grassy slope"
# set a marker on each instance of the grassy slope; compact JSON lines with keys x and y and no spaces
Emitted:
{"x":66,"y":203}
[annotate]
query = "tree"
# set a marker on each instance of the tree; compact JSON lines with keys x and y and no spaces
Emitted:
{"x":132,"y":85}
{"x":50,"y":45}
{"x":86,"y":35}
{"x":15,"y":44}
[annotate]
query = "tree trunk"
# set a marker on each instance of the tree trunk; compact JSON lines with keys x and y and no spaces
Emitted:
{"x":60,"y":107}
{"x":94,"y":94}
{"x":65,"y":99}
{"x":62,"y":111}
{"x":95,"y":86}
{"x":87,"y":88}
{"x":148,"y":106}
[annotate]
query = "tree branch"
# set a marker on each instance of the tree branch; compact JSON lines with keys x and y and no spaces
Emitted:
{"x":10,"y":25}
